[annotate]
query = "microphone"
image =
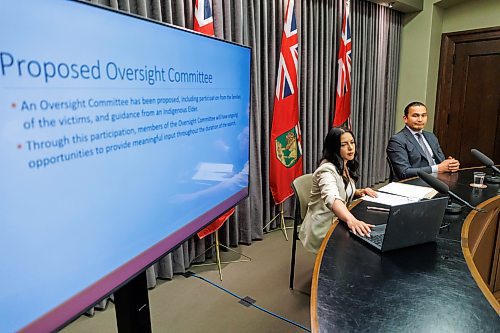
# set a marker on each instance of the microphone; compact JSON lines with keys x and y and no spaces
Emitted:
{"x":434,"y":182}
{"x":486,"y":161}
{"x":444,"y":189}
{"x":451,"y":208}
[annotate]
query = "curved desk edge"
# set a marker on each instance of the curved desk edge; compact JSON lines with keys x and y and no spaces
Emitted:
{"x":315,"y":277}
{"x":468,"y":256}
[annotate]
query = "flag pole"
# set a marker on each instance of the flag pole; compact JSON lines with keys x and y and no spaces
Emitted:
{"x":217,"y":245}
{"x":282,"y":225}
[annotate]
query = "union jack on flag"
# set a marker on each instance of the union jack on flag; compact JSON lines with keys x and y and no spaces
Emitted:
{"x":285,"y":144}
{"x":203,"y":18}
{"x":343,"y":95}
{"x":286,"y":84}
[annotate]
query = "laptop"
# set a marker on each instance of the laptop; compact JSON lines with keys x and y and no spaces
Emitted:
{"x":408,"y":224}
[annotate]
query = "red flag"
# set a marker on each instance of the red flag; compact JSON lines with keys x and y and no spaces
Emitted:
{"x":343,"y":98}
{"x":215,"y":225}
{"x":204,"y":23}
{"x":285,"y":147}
{"x":203,"y":18}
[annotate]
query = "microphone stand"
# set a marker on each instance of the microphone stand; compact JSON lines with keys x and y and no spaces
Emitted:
{"x":465,"y":202}
{"x":485,"y":160}
{"x":453,"y":208}
{"x":492,"y":179}
{"x":444,"y":189}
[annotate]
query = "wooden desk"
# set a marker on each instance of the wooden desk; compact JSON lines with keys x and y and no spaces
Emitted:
{"x":424,"y":288}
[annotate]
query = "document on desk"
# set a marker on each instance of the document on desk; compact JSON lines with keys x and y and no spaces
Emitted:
{"x":395,"y":194}
{"x":389,"y":199}
{"x":407,"y":190}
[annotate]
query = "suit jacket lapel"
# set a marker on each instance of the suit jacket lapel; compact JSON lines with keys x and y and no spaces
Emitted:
{"x":414,"y":141}
{"x":340,"y":183}
{"x":435,"y":155}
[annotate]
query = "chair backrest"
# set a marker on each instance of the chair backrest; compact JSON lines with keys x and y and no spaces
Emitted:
{"x":302,"y":188}
{"x":392,"y":174}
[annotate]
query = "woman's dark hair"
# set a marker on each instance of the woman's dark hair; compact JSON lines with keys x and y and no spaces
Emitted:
{"x":331,"y":153}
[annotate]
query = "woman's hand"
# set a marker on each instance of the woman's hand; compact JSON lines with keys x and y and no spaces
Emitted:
{"x":367,"y":191}
{"x":359,"y":227}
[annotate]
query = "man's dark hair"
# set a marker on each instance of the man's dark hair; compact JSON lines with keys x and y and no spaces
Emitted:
{"x":412,"y":104}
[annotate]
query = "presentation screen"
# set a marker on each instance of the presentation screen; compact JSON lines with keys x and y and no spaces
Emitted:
{"x":120,"y":137}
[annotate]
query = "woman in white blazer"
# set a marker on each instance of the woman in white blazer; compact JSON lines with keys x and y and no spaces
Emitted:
{"x":333,"y":189}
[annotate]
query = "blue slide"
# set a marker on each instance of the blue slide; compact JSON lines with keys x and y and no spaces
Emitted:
{"x":116,"y":134}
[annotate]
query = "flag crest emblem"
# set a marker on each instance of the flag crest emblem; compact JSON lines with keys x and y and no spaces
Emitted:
{"x":288,"y":148}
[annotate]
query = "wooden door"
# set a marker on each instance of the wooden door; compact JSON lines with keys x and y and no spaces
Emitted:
{"x":468,"y":100}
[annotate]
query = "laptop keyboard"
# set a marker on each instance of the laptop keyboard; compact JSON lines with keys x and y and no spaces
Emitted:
{"x":377,"y":239}
{"x":376,"y":236}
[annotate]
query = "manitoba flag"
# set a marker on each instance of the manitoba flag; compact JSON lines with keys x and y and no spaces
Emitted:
{"x":204,"y":23}
{"x":285,"y":145}
{"x":343,"y":95}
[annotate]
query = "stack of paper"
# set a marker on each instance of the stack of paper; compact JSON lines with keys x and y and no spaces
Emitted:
{"x":407,"y":190}
{"x":394,"y":194}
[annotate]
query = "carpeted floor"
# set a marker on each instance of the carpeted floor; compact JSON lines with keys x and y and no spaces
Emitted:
{"x":194,"y":305}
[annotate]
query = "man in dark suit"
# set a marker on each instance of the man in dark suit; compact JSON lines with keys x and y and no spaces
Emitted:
{"x":414,"y":149}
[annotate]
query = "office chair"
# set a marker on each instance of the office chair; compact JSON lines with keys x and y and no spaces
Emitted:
{"x":302,"y":189}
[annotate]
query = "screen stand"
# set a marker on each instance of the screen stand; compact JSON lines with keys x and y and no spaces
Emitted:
{"x":132,"y":306}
